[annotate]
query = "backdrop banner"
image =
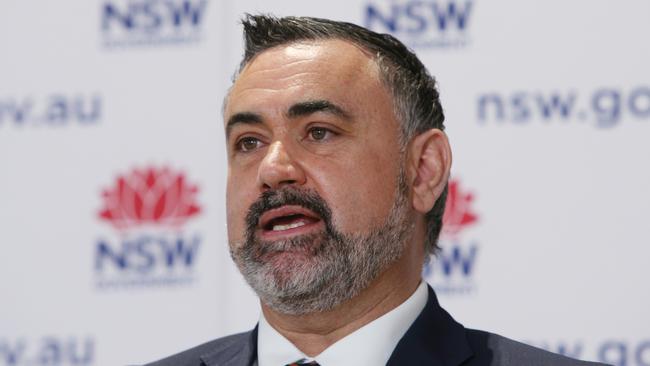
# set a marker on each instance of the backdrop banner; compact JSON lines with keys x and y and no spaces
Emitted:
{"x":113,"y":170}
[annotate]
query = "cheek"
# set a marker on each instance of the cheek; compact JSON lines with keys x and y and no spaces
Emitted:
{"x":236,"y":209}
{"x":360,"y":196}
{"x":359,"y":182}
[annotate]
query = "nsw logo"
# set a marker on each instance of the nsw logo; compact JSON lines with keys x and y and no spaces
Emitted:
{"x":451,"y":271}
{"x":151,"y":22}
{"x":147,"y":210}
{"x":422,"y":23}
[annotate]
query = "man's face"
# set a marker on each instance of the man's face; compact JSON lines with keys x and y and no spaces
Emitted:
{"x":314,"y":174}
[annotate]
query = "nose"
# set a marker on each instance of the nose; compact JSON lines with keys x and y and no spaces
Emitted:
{"x":278,"y":168}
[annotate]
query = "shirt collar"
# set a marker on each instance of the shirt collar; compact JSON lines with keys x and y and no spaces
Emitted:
{"x":382,"y":333}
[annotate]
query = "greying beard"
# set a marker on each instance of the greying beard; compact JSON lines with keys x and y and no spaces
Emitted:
{"x":338,"y":266}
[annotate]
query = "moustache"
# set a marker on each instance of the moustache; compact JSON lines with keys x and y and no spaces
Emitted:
{"x":271,"y":199}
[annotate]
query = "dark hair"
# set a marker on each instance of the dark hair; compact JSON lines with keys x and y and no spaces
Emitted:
{"x":414,"y":92}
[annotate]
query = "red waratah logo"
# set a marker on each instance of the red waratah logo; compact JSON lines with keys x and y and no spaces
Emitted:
{"x":150,"y":196}
{"x":458,"y":210}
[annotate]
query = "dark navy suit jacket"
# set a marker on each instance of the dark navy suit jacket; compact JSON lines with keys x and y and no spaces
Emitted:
{"x":435,"y":339}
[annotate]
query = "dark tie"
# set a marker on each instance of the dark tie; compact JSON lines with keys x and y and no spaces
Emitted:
{"x":303,"y":362}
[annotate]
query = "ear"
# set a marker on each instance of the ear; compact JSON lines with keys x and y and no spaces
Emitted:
{"x":429,"y":162}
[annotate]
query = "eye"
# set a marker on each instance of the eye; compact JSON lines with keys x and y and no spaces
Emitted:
{"x":247,"y":144}
{"x":318,"y":133}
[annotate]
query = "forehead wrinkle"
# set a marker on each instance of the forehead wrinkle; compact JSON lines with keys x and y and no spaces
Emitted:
{"x":270,"y":89}
{"x":277,"y":82}
{"x":268,"y":63}
{"x":264,"y":69}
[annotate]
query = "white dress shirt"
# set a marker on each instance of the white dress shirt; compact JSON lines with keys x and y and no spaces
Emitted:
{"x":371,"y":344}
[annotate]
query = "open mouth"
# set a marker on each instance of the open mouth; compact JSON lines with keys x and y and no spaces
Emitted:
{"x":288,"y":220}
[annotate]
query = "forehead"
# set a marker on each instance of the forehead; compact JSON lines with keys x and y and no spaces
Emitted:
{"x":335,"y":70}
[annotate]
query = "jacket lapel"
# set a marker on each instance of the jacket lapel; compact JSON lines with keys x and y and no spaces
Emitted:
{"x":435,"y":338}
{"x":235,"y":354}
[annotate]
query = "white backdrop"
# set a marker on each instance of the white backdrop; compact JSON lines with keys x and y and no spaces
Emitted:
{"x":112,"y":172}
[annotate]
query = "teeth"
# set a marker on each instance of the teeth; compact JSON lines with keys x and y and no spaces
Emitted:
{"x":288,"y":226}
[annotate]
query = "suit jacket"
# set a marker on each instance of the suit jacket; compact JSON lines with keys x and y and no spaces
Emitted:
{"x":435,"y":339}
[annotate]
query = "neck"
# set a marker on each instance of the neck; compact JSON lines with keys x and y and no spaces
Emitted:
{"x":315,"y":332}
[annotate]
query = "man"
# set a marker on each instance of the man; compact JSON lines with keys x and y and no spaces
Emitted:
{"x":338,"y":169}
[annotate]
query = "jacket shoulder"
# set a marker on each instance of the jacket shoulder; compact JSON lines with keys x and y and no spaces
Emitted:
{"x":192,"y":356}
{"x":493,"y":349}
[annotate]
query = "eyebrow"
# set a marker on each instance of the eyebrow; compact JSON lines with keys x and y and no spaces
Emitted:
{"x":299,"y":109}
{"x":244,"y":118}
{"x":312,"y":106}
